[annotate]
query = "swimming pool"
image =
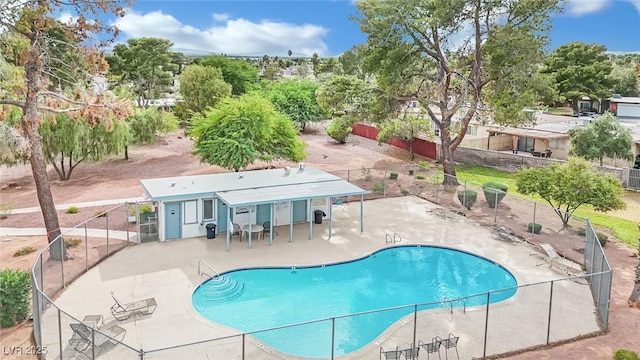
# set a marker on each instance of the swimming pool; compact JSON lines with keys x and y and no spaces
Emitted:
{"x":261,"y":298}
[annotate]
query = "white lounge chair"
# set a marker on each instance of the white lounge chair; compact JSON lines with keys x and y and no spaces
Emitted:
{"x":122,"y":311}
{"x":552,"y":258}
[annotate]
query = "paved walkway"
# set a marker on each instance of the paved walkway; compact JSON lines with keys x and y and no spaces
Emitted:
{"x":168,"y":271}
{"x":80,"y":205}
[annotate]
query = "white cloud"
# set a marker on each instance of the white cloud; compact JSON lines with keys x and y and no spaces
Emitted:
{"x":236,"y":36}
{"x":636,"y":3}
{"x":67,"y":18}
{"x":220,"y":17}
{"x":583,"y":7}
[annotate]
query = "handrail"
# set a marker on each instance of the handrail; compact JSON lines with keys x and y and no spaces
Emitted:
{"x":210,"y":267}
{"x":388,"y":239}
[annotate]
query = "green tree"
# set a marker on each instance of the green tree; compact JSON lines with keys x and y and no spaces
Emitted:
{"x":580,"y":70}
{"x":315,"y":63}
{"x":406,"y":129}
{"x":603,"y":137}
{"x":202,"y":87}
{"x":146,"y":124}
{"x":67,"y":141}
{"x":242,"y":130}
{"x":351,"y":61}
{"x":623,"y":81}
{"x":31,"y":21}
{"x":242,"y":75}
{"x":419,"y":49}
{"x":145,"y":65}
{"x":569,"y":185}
{"x":296,"y":99}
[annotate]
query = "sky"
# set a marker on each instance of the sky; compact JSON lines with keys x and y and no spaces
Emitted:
{"x":257,"y":27}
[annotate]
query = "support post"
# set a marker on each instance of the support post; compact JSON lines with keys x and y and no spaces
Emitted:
{"x":549,"y":317}
{"x":228,"y":229}
{"x":486,"y":326}
{"x":361,"y":213}
{"x":330,"y":216}
{"x":310,"y":215}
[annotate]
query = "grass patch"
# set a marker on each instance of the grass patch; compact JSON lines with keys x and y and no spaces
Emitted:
{"x":72,"y":210}
{"x":563,"y":110}
{"x":625,"y":230}
{"x":69,"y":243}
{"x":24,"y":251}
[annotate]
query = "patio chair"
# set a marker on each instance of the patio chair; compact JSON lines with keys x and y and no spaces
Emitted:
{"x":432,"y":347}
{"x":266,"y":228}
{"x":391,"y":354}
{"x":123,"y":311}
{"x":411,"y":352}
{"x":236,"y":230}
{"x":448,"y":343}
{"x":552,"y":257}
{"x":92,"y":343}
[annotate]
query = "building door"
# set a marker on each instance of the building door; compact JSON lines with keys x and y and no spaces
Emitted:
{"x":282,"y":214}
{"x":300,"y":211}
{"x":172,"y":221}
{"x":525,"y":144}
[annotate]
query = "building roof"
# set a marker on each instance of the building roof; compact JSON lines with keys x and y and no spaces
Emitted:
{"x":302,"y":182}
{"x":625,"y":99}
{"x":531,"y":133}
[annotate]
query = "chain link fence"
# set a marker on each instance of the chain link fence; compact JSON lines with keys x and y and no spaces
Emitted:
{"x":482,"y":316}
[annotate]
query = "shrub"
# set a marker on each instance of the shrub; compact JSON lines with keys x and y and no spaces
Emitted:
{"x":404,"y":192}
{"x":494,"y":192}
{"x":339,"y":129}
{"x":5,"y":210}
{"x":68,"y":243}
{"x":410,"y":171}
{"x":581,"y":231}
{"x":393,"y":176}
{"x":24,"y":251}
{"x":378,"y":188}
{"x":14,"y":297}
{"x":72,"y":210}
{"x":100,"y":213}
{"x":624,"y":354}
{"x":420,"y":177}
{"x":146,"y":208}
{"x":467,"y":198}
{"x":424,"y":164}
{"x":366,"y":174}
{"x":534,"y":228}
{"x":602,"y":238}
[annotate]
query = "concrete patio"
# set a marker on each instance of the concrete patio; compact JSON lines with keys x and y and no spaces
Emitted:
{"x":168,"y":271}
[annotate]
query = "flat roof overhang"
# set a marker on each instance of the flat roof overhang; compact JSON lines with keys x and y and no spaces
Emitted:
{"x":531,"y":133}
{"x":272,"y":194}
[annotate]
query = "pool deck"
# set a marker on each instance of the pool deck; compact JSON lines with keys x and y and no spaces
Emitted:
{"x":168,"y":271}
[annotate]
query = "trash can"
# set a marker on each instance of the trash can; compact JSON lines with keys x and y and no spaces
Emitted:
{"x":318,"y":215}
{"x":211,"y":231}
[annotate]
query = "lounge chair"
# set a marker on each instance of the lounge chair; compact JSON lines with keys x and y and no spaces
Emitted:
{"x":391,"y":354}
{"x":503,"y":233}
{"x":91,"y":343}
{"x":448,"y":343}
{"x":552,"y":257}
{"x":122,"y":311}
{"x":432,"y":347}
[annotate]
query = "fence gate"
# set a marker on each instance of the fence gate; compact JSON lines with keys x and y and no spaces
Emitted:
{"x":633,"y":181}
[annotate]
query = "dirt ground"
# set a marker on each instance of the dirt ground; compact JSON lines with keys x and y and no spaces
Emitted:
{"x":118,"y":178}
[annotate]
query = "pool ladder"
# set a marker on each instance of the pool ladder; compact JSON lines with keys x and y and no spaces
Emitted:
{"x":392,"y":240}
{"x":200,"y":272}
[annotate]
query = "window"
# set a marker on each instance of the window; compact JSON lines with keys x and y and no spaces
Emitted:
{"x":191,"y":212}
{"x":472,"y":130}
{"x":557,"y":144}
{"x":208,"y":212}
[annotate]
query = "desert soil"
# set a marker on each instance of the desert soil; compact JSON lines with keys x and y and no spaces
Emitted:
{"x":171,"y":156}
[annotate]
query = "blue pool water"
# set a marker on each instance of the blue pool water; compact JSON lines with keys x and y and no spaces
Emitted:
{"x":255,"y":299}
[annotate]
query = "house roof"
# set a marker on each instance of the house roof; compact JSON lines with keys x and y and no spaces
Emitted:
{"x":253,"y":186}
{"x":531,"y":133}
{"x":625,"y":99}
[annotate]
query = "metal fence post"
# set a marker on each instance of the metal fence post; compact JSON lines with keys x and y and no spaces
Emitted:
{"x":464,"y":195}
{"x":126,"y":217}
{"x":243,"y":344}
{"x":86,"y":248}
{"x":415,"y":326}
{"x":333,"y":336}
{"x":495,"y":206}
{"x":62,"y":253}
{"x":437,"y":181}
{"x":141,"y":354}
{"x":106,"y":216}
{"x":486,"y":326}
{"x":59,"y":332}
{"x":550,"y":305}
{"x":533,"y":227}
